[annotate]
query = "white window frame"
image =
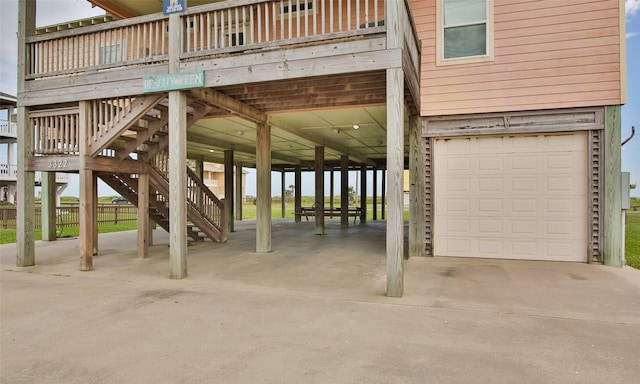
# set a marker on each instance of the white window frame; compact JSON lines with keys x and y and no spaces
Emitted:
{"x":488,"y":56}
{"x":289,"y":13}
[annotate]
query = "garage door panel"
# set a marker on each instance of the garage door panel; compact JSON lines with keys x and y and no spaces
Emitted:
{"x":520,"y":197}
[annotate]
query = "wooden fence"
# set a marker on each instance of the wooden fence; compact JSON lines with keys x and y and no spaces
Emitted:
{"x":69,"y":216}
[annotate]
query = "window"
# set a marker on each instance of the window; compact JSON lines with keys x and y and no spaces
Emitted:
{"x":466,"y":30}
{"x":110,"y":54}
{"x":294,"y":7}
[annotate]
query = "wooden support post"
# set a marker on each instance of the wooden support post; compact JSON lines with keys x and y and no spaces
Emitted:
{"x":283,"y":203}
{"x":297,"y":194}
{"x":612,"y":250}
{"x":319,"y":195}
{"x":87,"y":194}
{"x":395,"y":154}
{"x":228,"y":189}
{"x":383,"y":196}
{"x":416,"y":188}
{"x":331,"y":194}
{"x":143,"y":216}
{"x":177,"y":160}
{"x":239,"y":187}
{"x":363,"y":193}
{"x":375,"y":194}
{"x":263,"y":188}
{"x":25,"y":222}
{"x":87,"y":219}
{"x":94,"y":190}
{"x":344,"y":191}
{"x":48,"y":209}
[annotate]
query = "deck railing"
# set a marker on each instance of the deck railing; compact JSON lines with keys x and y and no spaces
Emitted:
{"x":8,"y":127}
{"x":56,"y":131}
{"x":217,"y":28}
{"x":8,"y":171}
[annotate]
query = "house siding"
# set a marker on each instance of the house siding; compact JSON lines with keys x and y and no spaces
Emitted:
{"x":547,"y":54}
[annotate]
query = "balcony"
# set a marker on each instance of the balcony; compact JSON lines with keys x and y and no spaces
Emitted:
{"x":8,"y":129}
{"x":315,"y":71}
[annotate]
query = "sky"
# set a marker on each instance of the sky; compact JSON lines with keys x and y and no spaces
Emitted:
{"x":51,"y":12}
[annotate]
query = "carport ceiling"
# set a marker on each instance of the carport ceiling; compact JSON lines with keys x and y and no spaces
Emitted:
{"x":303,"y":114}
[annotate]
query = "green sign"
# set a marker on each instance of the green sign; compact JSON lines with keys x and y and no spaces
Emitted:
{"x":173,"y":81}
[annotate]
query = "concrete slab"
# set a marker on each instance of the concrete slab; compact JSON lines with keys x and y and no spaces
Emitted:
{"x":312,"y":311}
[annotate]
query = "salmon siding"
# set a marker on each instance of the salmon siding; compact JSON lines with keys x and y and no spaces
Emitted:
{"x":546,"y":54}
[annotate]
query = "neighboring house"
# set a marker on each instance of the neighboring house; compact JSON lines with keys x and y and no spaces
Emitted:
{"x":505,"y":113}
{"x":213,"y":177}
{"x":8,"y":154}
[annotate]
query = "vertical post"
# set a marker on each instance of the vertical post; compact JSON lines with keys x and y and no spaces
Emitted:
{"x":416,"y":189}
{"x":319,"y":195}
{"x":228,"y":189}
{"x":363,"y":193}
{"x":375,"y":194}
{"x":263,"y":188}
{"x":383,"y":195}
{"x":395,"y":153}
{"x":48,"y":210}
{"x":143,"y":215}
{"x":612,"y":211}
{"x":344,"y":191}
{"x":200,"y":172}
{"x":331,"y":195}
{"x":25,"y":256}
{"x":87,"y":195}
{"x":283,"y":203}
{"x":94,"y":190}
{"x":297,"y":195}
{"x":239,"y":187}
{"x":177,"y":159}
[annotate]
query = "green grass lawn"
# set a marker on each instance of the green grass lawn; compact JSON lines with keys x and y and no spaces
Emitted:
{"x":632,"y":237}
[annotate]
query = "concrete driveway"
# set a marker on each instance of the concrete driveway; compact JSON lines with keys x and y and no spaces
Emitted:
{"x":312,"y":311}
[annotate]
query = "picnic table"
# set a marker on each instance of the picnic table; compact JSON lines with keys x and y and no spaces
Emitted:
{"x":331,"y":212}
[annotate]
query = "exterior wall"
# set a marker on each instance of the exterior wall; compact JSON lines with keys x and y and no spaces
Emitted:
{"x":548,"y":54}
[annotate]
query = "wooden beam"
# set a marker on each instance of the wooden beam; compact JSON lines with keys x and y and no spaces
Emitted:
{"x":298,"y":194}
{"x":344,"y":191}
{"x":416,"y":188}
{"x":48,"y":210}
{"x":612,"y":250}
{"x":239,"y":187}
{"x":319,"y":191}
{"x":87,"y":219}
{"x":395,"y":155}
{"x":363,"y":193}
{"x":25,"y":222}
{"x":263,"y":188}
{"x":283,"y":202}
{"x":331,"y":192}
{"x":212,"y":142}
{"x":177,"y":159}
{"x":144,"y":233}
{"x":228,"y":189}
{"x":375,"y":194}
{"x":229,"y":104}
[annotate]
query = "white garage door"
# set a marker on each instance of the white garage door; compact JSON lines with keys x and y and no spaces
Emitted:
{"x":511,"y":197}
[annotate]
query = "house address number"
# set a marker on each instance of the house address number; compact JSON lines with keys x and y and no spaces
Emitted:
{"x":58,"y":164}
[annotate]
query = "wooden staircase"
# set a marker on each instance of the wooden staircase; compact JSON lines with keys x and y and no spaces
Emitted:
{"x":135,"y":129}
{"x":205,"y":212}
